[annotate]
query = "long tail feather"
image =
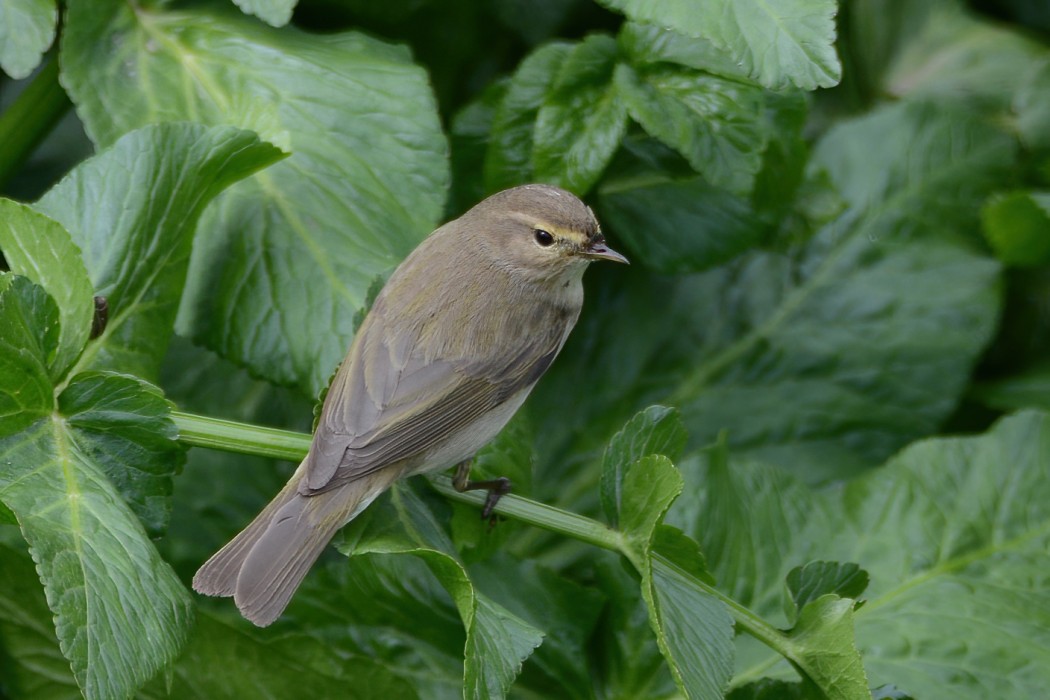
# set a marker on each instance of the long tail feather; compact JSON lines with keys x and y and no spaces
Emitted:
{"x":218,"y":575}
{"x":263,"y":566}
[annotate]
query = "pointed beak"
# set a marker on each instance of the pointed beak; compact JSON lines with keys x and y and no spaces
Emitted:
{"x":599,"y":251}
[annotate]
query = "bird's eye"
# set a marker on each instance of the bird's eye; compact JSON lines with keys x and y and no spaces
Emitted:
{"x":544,"y":238}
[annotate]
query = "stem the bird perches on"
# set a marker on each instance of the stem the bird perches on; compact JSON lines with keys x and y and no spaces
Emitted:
{"x":230,"y":436}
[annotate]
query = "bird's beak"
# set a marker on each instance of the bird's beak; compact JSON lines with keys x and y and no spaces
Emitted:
{"x":599,"y":251}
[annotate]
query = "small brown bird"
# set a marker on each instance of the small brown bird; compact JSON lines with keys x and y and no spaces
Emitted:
{"x":455,"y":341}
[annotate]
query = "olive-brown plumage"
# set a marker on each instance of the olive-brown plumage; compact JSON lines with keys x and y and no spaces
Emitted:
{"x":455,"y":341}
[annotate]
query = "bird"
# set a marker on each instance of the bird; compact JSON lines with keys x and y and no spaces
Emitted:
{"x":456,"y":339}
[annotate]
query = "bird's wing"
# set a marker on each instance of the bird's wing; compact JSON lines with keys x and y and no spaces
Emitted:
{"x":389,"y":402}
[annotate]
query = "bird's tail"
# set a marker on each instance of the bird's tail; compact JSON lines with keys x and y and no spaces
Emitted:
{"x":263,"y":565}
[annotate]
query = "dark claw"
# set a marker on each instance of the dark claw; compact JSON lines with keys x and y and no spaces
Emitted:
{"x":498,"y":488}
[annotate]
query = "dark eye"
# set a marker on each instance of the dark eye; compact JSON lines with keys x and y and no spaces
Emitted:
{"x":543,"y":237}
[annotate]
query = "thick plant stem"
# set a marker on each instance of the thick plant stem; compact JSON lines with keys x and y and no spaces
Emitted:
{"x":230,"y":436}
{"x":284,"y":444}
{"x":30,"y":118}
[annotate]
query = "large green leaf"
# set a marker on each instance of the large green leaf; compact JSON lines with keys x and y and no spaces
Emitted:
{"x":285,"y":259}
{"x":41,"y":250}
{"x":392,"y":609}
{"x":958,"y":56}
{"x":508,"y":158}
{"x":715,"y":123}
{"x":825,"y":355}
{"x":955,"y":533}
{"x":566,"y":612}
{"x":122,"y":425}
{"x":698,"y":225}
{"x":132,"y":210}
{"x":497,"y":641}
{"x":777,"y":44}
{"x":674,"y":221}
{"x":31,"y":664}
{"x":219,"y":661}
{"x":971,"y":585}
{"x":650,"y":44}
{"x":582,"y":118}
{"x":222,"y":661}
{"x":27,"y":28}
{"x":119,"y":611}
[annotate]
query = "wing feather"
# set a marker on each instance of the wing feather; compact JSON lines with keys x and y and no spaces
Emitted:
{"x":390,"y":402}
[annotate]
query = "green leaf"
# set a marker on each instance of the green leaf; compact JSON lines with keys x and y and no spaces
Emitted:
{"x":29,"y":343}
{"x":715,"y":123}
{"x":657,"y":430}
{"x":817,"y":578}
{"x":1017,"y":226}
{"x":956,"y":544}
{"x":96,"y":562}
{"x":693,"y":628}
{"x":27,"y":28}
{"x":582,"y":118}
{"x":122,"y":424}
{"x":276,"y":13}
{"x":93,"y":556}
{"x":698,"y":226}
{"x":497,"y":641}
{"x":566,"y":612}
{"x":795,"y":330}
{"x":508,"y":160}
{"x":135,"y":238}
{"x":695,"y":631}
{"x":750,"y":563}
{"x":388,"y":608}
{"x":629,"y":664}
{"x":649,"y":486}
{"x":32,"y":663}
{"x":778,"y":183}
{"x":651,"y":44}
{"x":1032,"y":106}
{"x":958,"y":56}
{"x":470,"y":133}
{"x":779,"y":347}
{"x":222,"y":661}
{"x":789,"y":42}
{"x":365,"y":183}
{"x":822,"y":645}
{"x":41,"y":250}
{"x":969,"y":585}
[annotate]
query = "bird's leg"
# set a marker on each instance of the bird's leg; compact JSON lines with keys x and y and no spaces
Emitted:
{"x":497,"y":488}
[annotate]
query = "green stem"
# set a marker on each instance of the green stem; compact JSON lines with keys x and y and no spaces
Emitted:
{"x":539,"y":514}
{"x":30,"y":118}
{"x":230,"y":436}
